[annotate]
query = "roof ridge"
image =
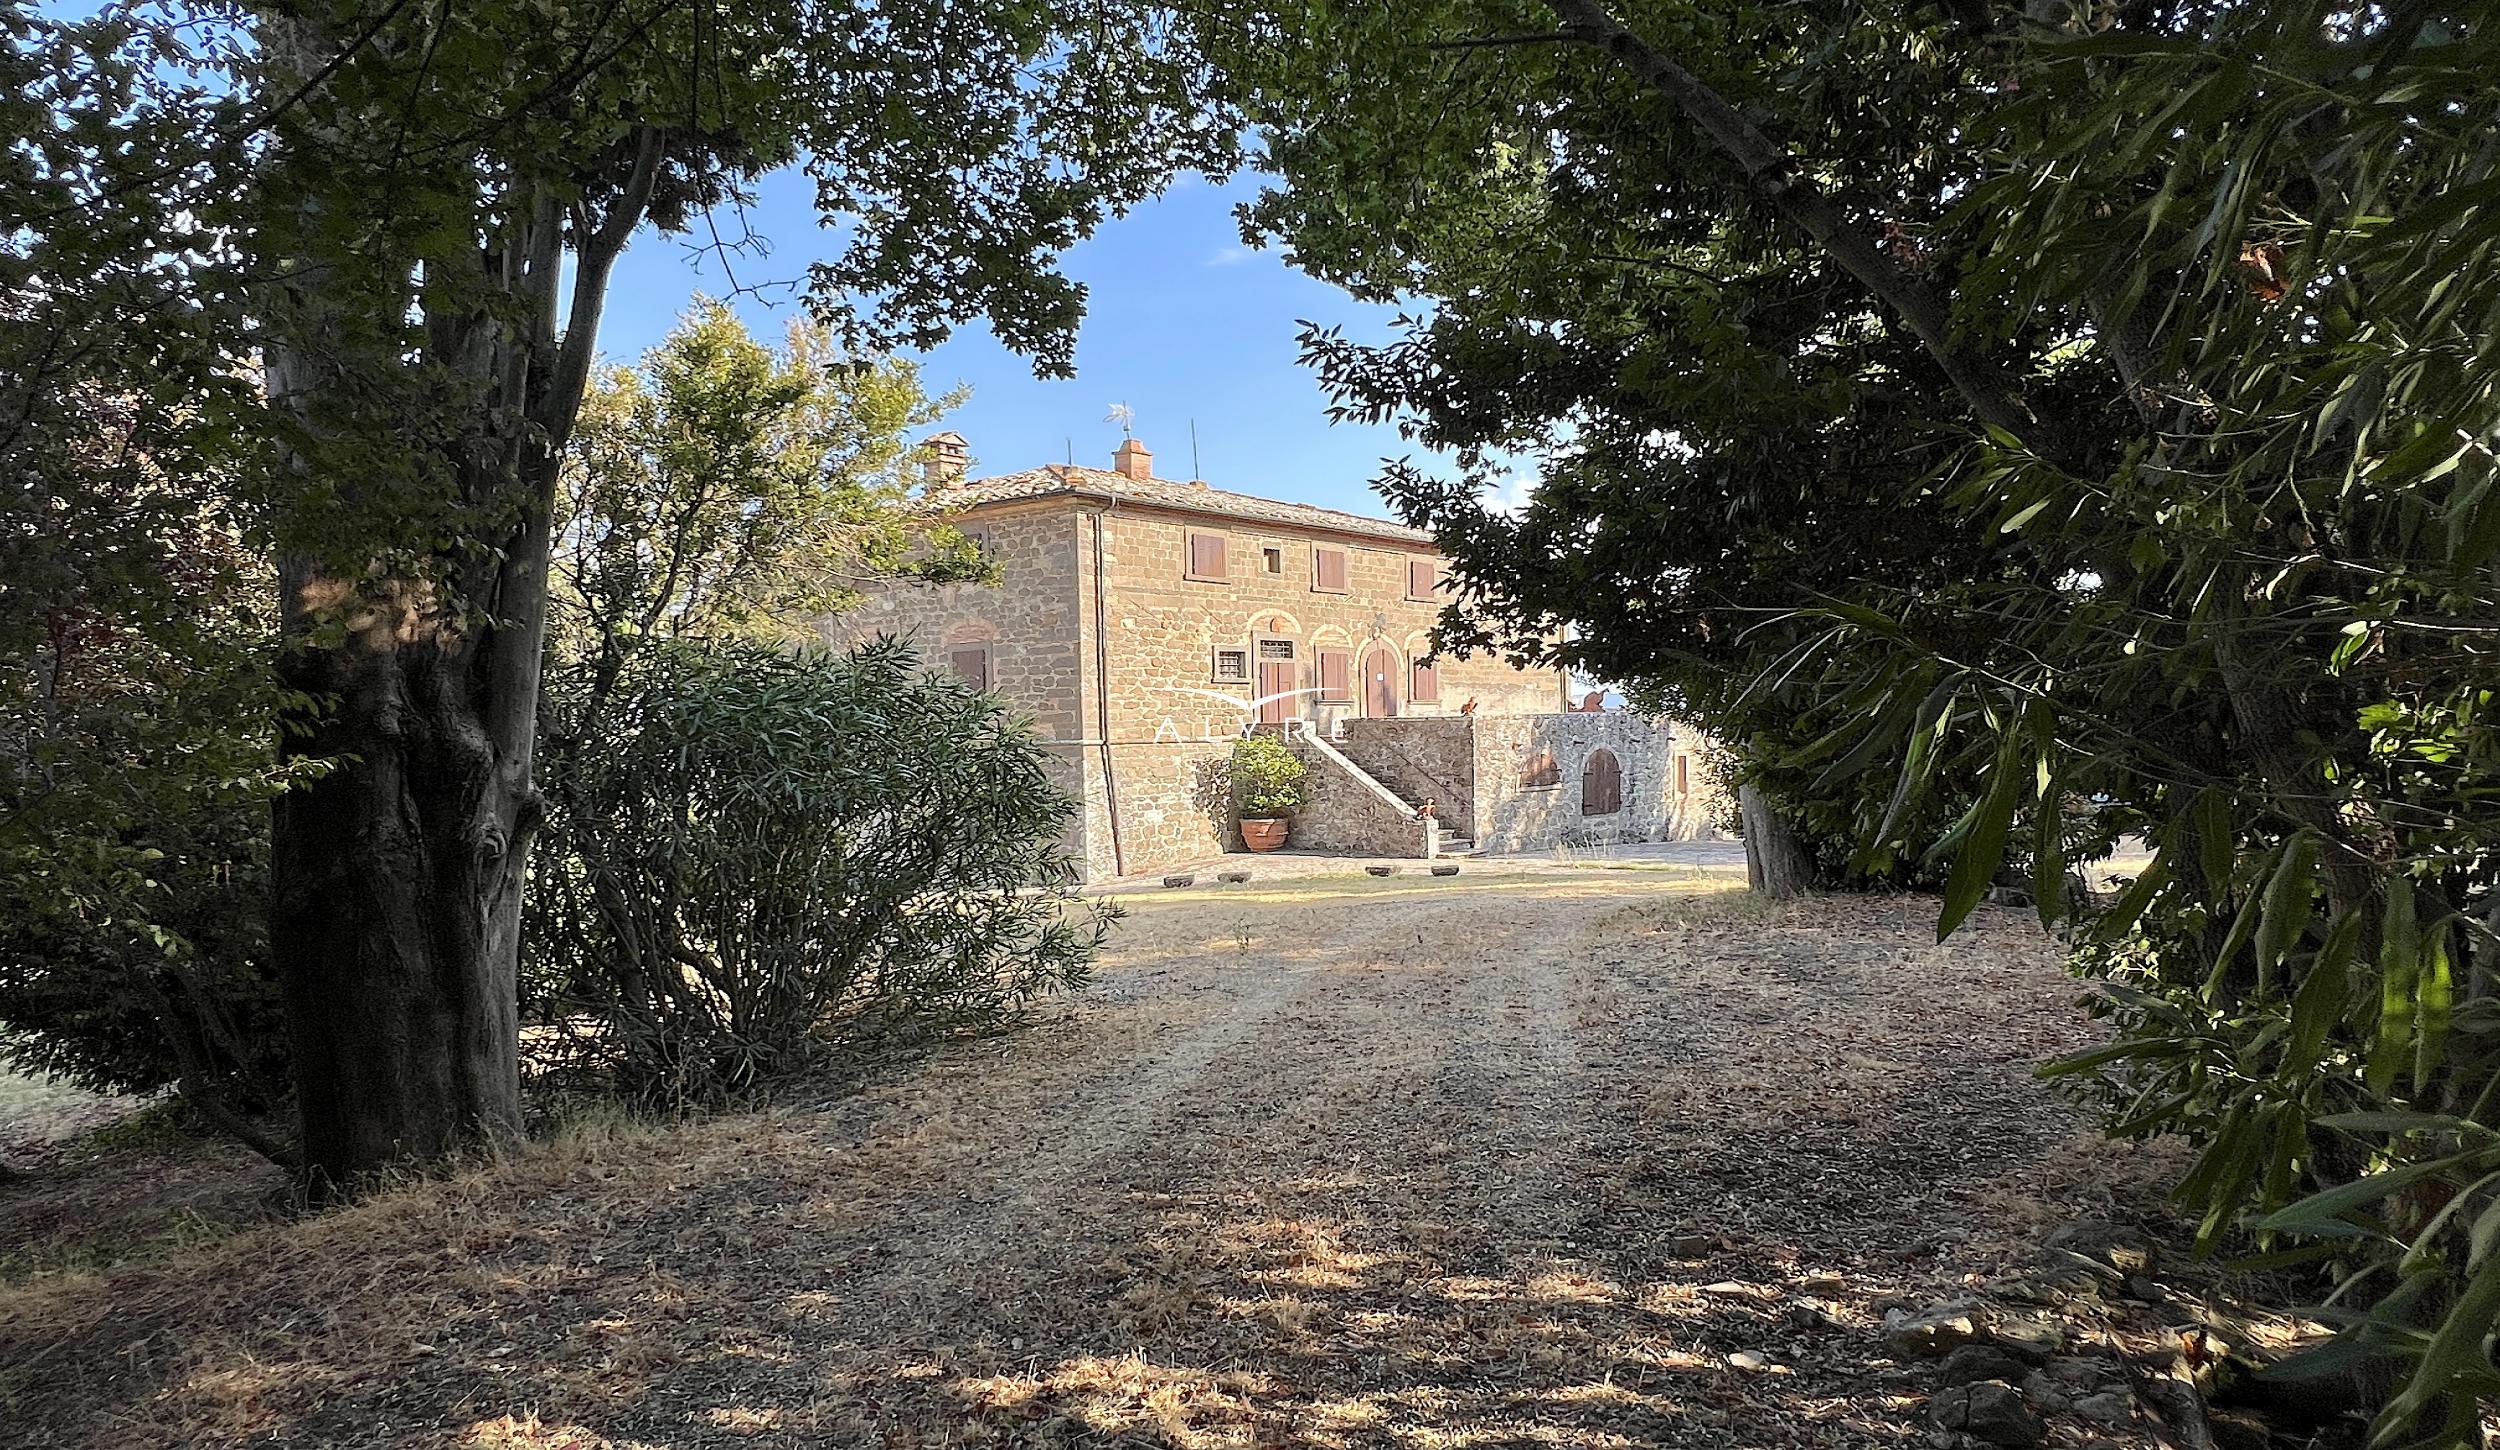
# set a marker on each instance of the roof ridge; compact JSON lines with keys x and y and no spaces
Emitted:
{"x":1192,"y":495}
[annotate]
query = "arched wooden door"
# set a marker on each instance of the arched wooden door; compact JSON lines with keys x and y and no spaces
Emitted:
{"x":1380,"y":684}
{"x":1601,"y":784}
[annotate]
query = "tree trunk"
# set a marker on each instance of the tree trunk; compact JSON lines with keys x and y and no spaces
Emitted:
{"x":396,"y":878}
{"x":396,"y":908}
{"x":1777,"y":864}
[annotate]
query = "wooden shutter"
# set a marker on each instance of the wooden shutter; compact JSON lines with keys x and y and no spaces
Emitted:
{"x":1541,"y":769}
{"x":1601,"y":784}
{"x":1423,"y":576}
{"x":1335,"y":667}
{"x":1328,"y":570}
{"x":1427,"y":684}
{"x":1206,"y":556}
{"x":971,"y":664}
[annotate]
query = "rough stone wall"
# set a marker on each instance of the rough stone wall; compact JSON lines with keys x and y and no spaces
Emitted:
{"x":1175,"y":805}
{"x":1166,"y":626}
{"x":1422,"y":758}
{"x":1027,"y":620}
{"x":1169,"y":744}
{"x":1511,"y":816}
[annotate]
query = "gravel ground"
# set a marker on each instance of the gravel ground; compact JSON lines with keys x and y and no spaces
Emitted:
{"x":1498,"y":1160}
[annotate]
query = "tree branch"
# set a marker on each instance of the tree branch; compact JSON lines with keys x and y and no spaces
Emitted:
{"x":1775,"y":176}
{"x":598,"y":255}
{"x":1487,"y":42}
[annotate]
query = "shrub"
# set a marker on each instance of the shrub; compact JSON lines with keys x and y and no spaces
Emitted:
{"x":755,"y":857}
{"x":178,"y":992}
{"x":1269,"y":780}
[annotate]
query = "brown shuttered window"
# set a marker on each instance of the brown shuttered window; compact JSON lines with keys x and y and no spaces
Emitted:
{"x":1423,"y":580}
{"x":1206,"y":558}
{"x":1336,"y":674}
{"x":1328,"y":570}
{"x":1601,"y":784}
{"x":1540,"y":769}
{"x":1425,"y":688}
{"x":970,"y":664}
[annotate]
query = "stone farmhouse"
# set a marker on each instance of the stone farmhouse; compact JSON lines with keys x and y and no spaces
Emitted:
{"x":1144,"y":623}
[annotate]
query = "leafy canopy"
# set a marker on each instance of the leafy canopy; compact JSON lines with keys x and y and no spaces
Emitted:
{"x":2009,"y":429}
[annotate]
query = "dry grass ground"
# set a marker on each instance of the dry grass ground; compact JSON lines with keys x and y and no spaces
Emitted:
{"x":1491,"y":1161}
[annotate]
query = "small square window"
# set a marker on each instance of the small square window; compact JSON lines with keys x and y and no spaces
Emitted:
{"x":970,"y":664}
{"x":1275,"y":649}
{"x":1272,"y":561}
{"x":1328,"y":571}
{"x":1423,"y":580}
{"x":1232,"y":667}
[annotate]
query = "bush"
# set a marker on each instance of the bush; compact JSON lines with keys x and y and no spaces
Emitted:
{"x":1269,"y":780}
{"x":178,"y":992}
{"x":755,"y":857}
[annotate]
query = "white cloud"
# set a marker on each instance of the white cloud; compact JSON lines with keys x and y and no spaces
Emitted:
{"x":1232,"y":256}
{"x":1510,"y":493}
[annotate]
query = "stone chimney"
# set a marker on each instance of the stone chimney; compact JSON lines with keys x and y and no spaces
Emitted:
{"x":1133,"y":461}
{"x":944,"y":456}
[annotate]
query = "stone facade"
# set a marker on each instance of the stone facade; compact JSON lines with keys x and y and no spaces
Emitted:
{"x":1504,"y":783}
{"x":1144,"y":623}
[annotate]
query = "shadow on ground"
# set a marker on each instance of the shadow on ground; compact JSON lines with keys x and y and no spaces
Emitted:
{"x":1352,"y":1166}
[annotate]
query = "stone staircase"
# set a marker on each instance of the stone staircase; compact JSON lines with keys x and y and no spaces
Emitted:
{"x":1352,"y":813}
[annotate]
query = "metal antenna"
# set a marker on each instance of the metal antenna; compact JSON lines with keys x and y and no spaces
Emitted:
{"x":1124,"y":415}
{"x":1194,"y":470}
{"x":1072,"y":453}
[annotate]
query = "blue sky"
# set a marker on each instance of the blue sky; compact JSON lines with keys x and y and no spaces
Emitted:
{"x":1182,"y":323}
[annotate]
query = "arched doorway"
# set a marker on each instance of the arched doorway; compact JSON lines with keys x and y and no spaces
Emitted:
{"x":1380,"y":683}
{"x":1601,"y":784}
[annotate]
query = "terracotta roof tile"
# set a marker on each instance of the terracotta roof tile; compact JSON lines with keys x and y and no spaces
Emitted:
{"x":1076,"y":481}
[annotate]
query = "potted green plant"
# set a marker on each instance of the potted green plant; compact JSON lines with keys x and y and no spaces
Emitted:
{"x":1269,"y":783}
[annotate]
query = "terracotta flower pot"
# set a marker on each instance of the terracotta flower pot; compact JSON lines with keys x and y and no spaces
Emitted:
{"x":1264,"y":834}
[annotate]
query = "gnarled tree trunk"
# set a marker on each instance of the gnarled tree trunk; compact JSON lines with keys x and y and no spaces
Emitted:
{"x":1777,"y":863}
{"x":396,"y":878}
{"x":396,"y":908}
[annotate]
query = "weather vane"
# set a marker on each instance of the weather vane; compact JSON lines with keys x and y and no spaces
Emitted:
{"x":1124,"y":415}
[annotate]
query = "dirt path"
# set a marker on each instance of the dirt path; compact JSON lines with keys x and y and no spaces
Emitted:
{"x":1418,"y":1163}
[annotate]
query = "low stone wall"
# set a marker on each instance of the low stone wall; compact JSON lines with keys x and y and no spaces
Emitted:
{"x":1511,"y":815}
{"x":1348,"y":813}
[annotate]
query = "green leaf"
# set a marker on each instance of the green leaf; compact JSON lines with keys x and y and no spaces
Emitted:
{"x":2333,"y":1203}
{"x":2286,"y":912}
{"x":1983,"y":844}
{"x":2391,"y":1046}
{"x":2214,"y":842}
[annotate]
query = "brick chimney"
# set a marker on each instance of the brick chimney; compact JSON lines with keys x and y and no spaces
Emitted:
{"x":1133,"y":461}
{"x":944,"y":456}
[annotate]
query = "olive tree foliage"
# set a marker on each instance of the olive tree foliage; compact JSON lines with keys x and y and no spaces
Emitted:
{"x":772,"y":855}
{"x":399,"y":222}
{"x":1977,"y":412}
